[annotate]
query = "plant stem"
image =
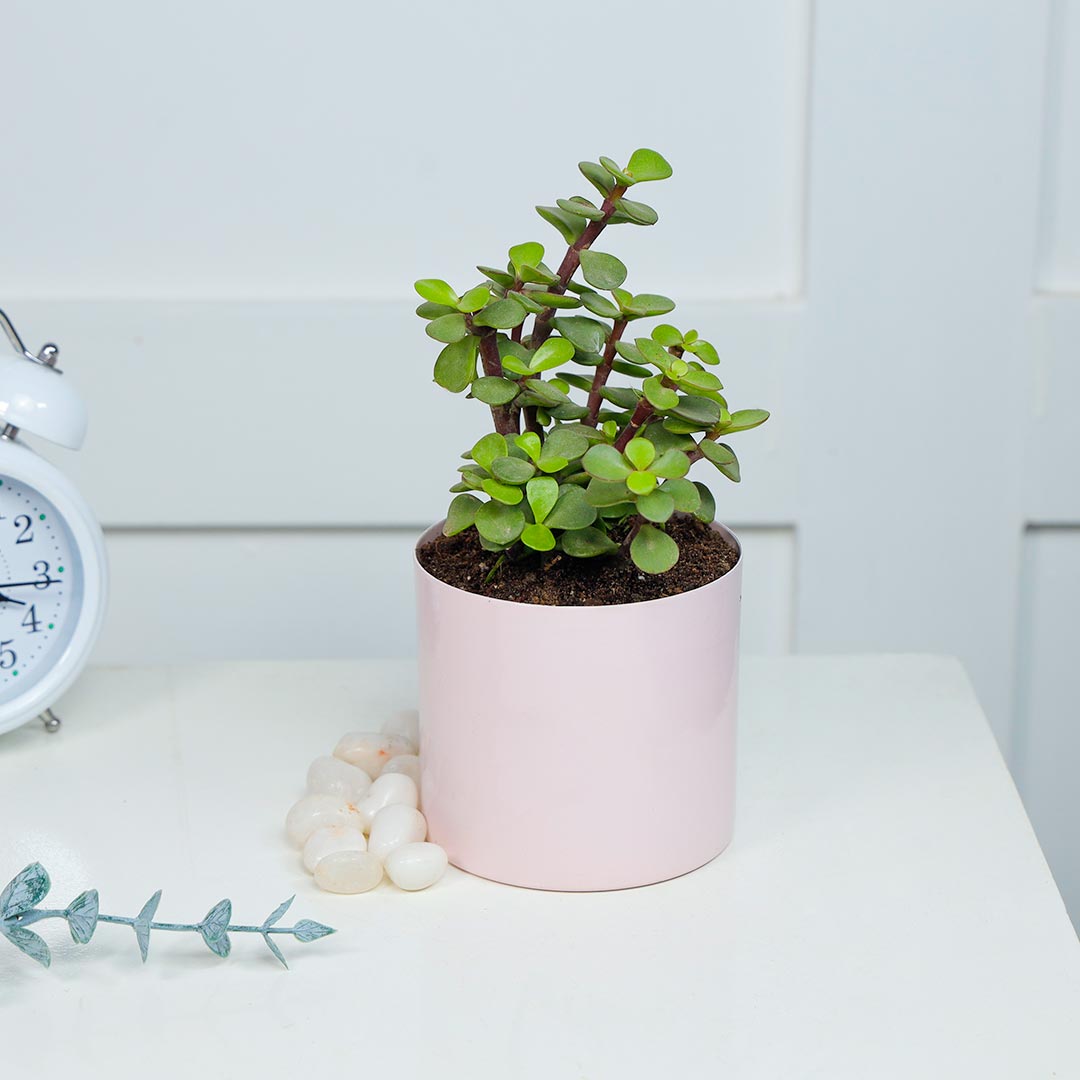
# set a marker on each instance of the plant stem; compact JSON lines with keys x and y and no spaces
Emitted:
{"x":531,"y":423}
{"x":541,"y":327}
{"x":505,"y":421}
{"x":603,"y":371}
{"x":642,"y":413}
{"x":40,"y":914}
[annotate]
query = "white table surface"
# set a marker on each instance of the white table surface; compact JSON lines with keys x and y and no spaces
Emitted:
{"x":884,"y":911}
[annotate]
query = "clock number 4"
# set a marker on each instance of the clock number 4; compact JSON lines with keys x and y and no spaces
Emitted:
{"x":23,"y":522}
{"x":31,"y":620}
{"x":8,"y":659}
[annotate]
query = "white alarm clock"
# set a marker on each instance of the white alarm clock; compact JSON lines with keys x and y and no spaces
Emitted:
{"x":53,"y":571}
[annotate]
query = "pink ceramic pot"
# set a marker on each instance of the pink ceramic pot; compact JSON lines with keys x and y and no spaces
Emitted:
{"x":579,"y":748}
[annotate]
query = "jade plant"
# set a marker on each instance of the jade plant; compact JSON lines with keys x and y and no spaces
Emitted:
{"x":606,"y":472}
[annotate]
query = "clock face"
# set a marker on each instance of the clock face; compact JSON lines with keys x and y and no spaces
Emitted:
{"x":41,"y":586}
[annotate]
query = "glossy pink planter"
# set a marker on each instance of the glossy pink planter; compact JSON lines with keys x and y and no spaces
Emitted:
{"x":579,"y":748}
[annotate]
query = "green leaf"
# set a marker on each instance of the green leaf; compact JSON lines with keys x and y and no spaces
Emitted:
{"x":697,"y":410}
{"x":582,"y":382}
{"x":671,"y":464}
{"x":528,"y":303}
{"x":500,"y":277}
{"x":602,"y":270}
{"x":745,"y":419}
{"x":656,"y":506}
{"x":641,"y":483}
{"x":584,"y":334}
{"x":647,"y":165}
{"x":461,"y":514}
{"x":707,"y":511}
{"x":564,"y":442}
{"x":542,"y":493}
{"x":475,"y":299}
{"x":701,"y":381}
{"x":552,"y":353}
{"x":306,"y":930}
{"x":636,"y":370}
{"x":569,"y":225}
{"x":538,"y":537}
{"x":640,"y":452}
{"x":638,"y":212}
{"x":488,"y":449}
{"x":555,"y":300}
{"x":659,"y":396}
{"x":652,"y":352}
{"x":653,"y":551}
{"x":663,"y":439}
{"x":600,"y":305}
{"x":82,"y":916}
{"x":587,"y":543}
{"x":504,"y":493}
{"x":649,"y":305}
{"x":448,"y":328}
{"x":530,"y":443}
{"x":428,"y":310}
{"x":684,"y":495}
{"x":455,"y":367}
{"x":540,"y":274}
{"x":492,"y":390}
{"x":606,"y":492}
{"x":581,"y":207}
{"x":703,"y":351}
{"x":499,"y":523}
{"x":572,"y":510}
{"x":502,"y":314}
{"x":142,"y":922}
{"x":723,"y":457}
{"x":275,"y":950}
{"x":622,"y":396}
{"x":598,"y":176}
{"x":526,"y":255}
{"x":605,"y":463}
{"x":28,"y":942}
{"x":437,"y":291}
{"x":624,"y":178}
{"x":512,"y":470}
{"x":667,"y":335}
{"x":25,"y":890}
{"x":617,"y":511}
{"x":214,"y":926}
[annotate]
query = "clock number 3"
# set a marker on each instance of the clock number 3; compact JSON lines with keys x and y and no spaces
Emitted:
{"x":8,"y":659}
{"x":23,"y":522}
{"x":41,"y":568}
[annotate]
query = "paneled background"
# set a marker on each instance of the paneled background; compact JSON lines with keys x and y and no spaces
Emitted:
{"x":217,"y":210}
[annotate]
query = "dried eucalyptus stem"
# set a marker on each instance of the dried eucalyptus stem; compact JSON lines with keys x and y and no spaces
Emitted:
{"x":19,"y":910}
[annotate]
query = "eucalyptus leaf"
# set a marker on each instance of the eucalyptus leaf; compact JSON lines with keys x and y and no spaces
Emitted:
{"x":307,"y":930}
{"x":653,"y":551}
{"x":275,"y":950}
{"x":28,"y":942}
{"x":82,"y":916}
{"x":601,"y":270}
{"x":142,"y":922}
{"x":26,"y":890}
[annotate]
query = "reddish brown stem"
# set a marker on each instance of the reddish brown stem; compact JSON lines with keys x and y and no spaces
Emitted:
{"x":602,"y":372}
{"x":642,"y":413}
{"x":505,"y":421}
{"x":531,"y":423}
{"x":541,"y":328}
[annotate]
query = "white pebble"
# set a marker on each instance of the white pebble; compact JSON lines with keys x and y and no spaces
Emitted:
{"x":348,"y":872}
{"x":389,"y":790}
{"x":416,"y":866}
{"x":393,"y":826}
{"x":331,"y":838}
{"x":406,"y":722}
{"x":370,"y":751}
{"x":314,"y":811}
{"x":409,"y":764}
{"x":332,"y":776}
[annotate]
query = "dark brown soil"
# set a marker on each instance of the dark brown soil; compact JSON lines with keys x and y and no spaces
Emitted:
{"x":554,"y":578}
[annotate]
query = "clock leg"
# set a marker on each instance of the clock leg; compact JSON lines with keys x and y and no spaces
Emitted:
{"x":51,"y":721}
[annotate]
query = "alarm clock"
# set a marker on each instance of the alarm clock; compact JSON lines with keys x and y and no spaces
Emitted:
{"x":53,"y":570}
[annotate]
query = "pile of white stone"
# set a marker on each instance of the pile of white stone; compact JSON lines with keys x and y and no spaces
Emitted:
{"x":361,"y":817}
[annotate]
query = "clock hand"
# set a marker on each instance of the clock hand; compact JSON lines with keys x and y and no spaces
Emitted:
{"x":39,"y":582}
{"x":11,"y":600}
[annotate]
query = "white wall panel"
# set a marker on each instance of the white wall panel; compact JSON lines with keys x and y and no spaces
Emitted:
{"x":246,"y":149}
{"x":1058,"y":267}
{"x":291,"y":594}
{"x":1047,"y":751}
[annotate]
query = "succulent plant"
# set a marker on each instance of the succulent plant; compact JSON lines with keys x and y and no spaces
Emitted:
{"x":584,"y":477}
